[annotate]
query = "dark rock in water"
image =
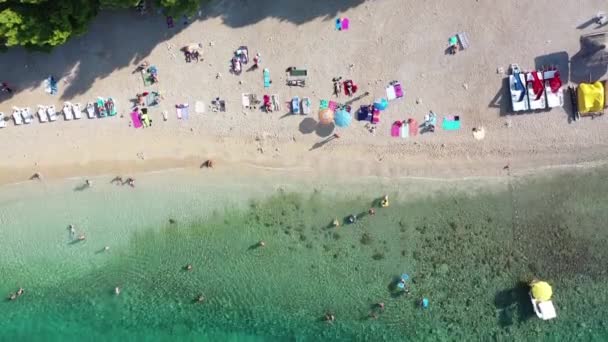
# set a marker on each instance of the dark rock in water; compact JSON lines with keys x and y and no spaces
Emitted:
{"x":366,"y":239}
{"x":403,"y":253}
{"x":336,"y":236}
{"x":309,"y":245}
{"x":303,"y":237}
{"x":378,"y":256}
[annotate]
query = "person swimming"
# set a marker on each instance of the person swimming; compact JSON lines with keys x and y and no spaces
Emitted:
{"x":352,"y":218}
{"x":336,"y":223}
{"x":371,"y":211}
{"x":117,"y":290}
{"x":329,"y":317}
{"x":188,"y":267}
{"x":200,"y":298}
{"x":384,"y":202}
{"x":81,"y":237}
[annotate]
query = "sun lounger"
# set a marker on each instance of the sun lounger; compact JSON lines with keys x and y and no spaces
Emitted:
{"x":51,"y":112}
{"x":295,"y":105}
{"x":463,"y":39}
{"x":536,"y":90}
{"x":136,"y":120}
{"x":91,"y":110}
{"x":413,"y":127}
{"x":77,"y":111}
{"x":396,"y":129}
{"x":294,"y":72}
{"x":17,"y":116}
{"x":26,"y":115}
{"x":405,"y":130}
{"x":306,"y":105}
{"x":276,"y":102}
{"x":111,"y":107}
{"x":182,"y":111}
{"x":145,"y":118}
{"x":67,"y":111}
{"x":553,"y":89}
{"x":2,"y":122}
{"x":101,"y":107}
{"x":266,"y":78}
{"x":42,"y":114}
{"x":518,"y":90}
{"x":394,"y":91}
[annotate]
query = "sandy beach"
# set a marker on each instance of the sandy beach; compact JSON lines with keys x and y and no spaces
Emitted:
{"x":387,"y":40}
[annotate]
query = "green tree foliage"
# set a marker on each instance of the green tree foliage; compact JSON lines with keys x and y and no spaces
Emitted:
{"x":179,"y":7}
{"x":43,"y":24}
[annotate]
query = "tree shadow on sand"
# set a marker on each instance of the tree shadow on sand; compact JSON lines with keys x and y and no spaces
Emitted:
{"x":114,"y":41}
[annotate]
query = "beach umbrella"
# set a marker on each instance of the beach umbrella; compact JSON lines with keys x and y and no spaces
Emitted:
{"x":381,"y":104}
{"x":342,"y":118}
{"x":326,"y":116}
{"x":541,"y":291}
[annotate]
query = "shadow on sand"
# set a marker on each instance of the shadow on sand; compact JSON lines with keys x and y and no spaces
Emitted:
{"x":115,"y":41}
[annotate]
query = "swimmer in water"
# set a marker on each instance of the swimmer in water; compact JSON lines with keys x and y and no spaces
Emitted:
{"x":188,"y":267}
{"x":81,"y":237}
{"x":117,"y":290}
{"x":384,"y":202}
{"x":371,"y":211}
{"x":72,"y":230}
{"x":336,"y":223}
{"x":200,"y":298}
{"x":261,"y":244}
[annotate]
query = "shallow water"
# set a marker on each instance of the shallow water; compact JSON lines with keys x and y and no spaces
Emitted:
{"x":468,"y":252}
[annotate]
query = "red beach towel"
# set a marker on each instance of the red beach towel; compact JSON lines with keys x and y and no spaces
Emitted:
{"x":413,"y":126}
{"x":555,"y":83}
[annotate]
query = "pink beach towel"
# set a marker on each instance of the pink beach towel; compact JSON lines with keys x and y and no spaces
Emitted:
{"x":333,"y":105}
{"x":413,"y":126}
{"x":136,"y":120}
{"x":345,"y":24}
{"x":396,"y":129}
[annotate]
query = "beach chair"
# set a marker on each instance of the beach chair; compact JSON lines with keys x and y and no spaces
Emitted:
{"x":266,"y":78}
{"x":553,"y":89}
{"x":67,"y":111}
{"x":306,"y":104}
{"x":517,"y":89}
{"x":26,"y":115}
{"x":77,"y":110}
{"x":17,"y":116}
{"x":42,"y":114}
{"x":91,"y":110}
{"x":51,"y":112}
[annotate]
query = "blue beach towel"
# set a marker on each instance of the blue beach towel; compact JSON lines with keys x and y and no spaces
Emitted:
{"x":451,"y":123}
{"x":266,"y":78}
{"x":338,"y":24}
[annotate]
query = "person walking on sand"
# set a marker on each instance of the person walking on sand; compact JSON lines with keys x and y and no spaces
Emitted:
{"x":88,"y":183}
{"x":131,"y":182}
{"x":371,"y":211}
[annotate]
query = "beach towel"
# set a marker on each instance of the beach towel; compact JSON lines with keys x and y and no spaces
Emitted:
{"x":136,"y":120}
{"x":537,"y":85}
{"x":345,"y":24}
{"x":323,"y":104}
{"x":405,"y":130}
{"x":182,"y":111}
{"x":375,"y":115}
{"x":146,"y":77}
{"x":146,"y":120}
{"x":396,"y":129}
{"x":338,"y":24}
{"x":266,"y":78}
{"x":199,"y":107}
{"x":364,"y":114}
{"x":333,"y":105}
{"x":413,"y":127}
{"x":451,"y":123}
{"x":555,"y":83}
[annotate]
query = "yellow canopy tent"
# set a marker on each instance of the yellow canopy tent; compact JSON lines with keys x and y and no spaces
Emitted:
{"x":591,"y":97}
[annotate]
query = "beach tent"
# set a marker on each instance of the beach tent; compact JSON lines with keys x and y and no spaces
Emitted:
{"x":342,"y":118}
{"x":326,"y":116}
{"x":591,"y":97}
{"x":541,"y":291}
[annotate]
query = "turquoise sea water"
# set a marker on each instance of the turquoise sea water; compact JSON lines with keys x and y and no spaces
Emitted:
{"x":468,"y":251}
